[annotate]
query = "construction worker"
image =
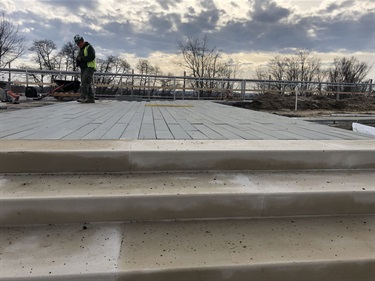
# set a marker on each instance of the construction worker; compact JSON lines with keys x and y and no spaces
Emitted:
{"x":86,"y":61}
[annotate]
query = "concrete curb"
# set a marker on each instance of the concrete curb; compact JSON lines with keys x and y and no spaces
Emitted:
{"x":146,"y":156}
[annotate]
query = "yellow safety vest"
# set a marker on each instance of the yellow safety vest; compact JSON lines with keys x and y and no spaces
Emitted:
{"x":92,"y":63}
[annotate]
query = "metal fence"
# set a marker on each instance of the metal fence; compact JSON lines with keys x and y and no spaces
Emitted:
{"x":131,"y":85}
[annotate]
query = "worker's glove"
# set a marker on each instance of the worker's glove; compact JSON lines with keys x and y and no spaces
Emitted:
{"x":78,"y":61}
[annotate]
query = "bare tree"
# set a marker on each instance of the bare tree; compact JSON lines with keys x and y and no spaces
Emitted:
{"x":309,"y":69}
{"x":12,"y":45}
{"x":157,"y":71}
{"x":115,"y":65}
{"x":348,"y":70}
{"x":223,"y":71}
{"x":145,"y":68}
{"x":202,"y":61}
{"x":261,"y":74}
{"x":67,"y":57}
{"x":301,"y":66}
{"x":277,"y":68}
{"x":199,"y":57}
{"x":232,"y":69}
{"x":44,"y":56}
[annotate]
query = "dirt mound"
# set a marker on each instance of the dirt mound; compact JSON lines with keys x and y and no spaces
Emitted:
{"x":271,"y":101}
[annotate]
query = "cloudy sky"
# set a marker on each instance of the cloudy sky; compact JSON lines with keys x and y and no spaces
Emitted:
{"x":249,"y":32}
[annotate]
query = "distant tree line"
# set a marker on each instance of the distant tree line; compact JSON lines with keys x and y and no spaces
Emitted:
{"x":305,"y":67}
{"x":199,"y":59}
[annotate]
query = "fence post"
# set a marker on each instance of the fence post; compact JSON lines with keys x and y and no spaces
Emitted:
{"x":120,"y":84}
{"x":370,"y":86}
{"x":296,"y":102}
{"x":183,"y":90}
{"x":132,"y":88}
{"x":222,"y":89}
{"x":149,"y":89}
{"x":269,"y":83}
{"x":199,"y":92}
{"x":174,"y":88}
{"x":243,"y":89}
{"x":10,"y":77}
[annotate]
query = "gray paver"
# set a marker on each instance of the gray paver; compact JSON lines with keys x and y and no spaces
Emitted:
{"x":147,"y":132}
{"x":210,"y":133}
{"x":178,"y":132}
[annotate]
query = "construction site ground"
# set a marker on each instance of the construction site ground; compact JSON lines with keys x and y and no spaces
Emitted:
{"x":312,"y":106}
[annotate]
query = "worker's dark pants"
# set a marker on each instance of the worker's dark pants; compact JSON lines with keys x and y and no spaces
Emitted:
{"x":87,"y":79}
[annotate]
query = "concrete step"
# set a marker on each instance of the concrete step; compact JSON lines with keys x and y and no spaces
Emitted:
{"x":56,"y":156}
{"x":296,"y":208}
{"x":324,"y":248}
{"x":69,"y":198}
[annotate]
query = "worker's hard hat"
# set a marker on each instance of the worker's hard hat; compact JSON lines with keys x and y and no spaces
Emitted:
{"x":78,"y":38}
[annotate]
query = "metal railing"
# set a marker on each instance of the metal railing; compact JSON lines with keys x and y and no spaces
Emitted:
{"x":179,"y":87}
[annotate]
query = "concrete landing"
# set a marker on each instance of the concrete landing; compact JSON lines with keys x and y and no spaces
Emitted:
{"x":159,"y":120}
{"x":324,"y":249}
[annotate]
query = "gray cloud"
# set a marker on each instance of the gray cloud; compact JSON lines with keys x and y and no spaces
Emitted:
{"x":162,"y":23}
{"x":167,"y":4}
{"x":341,"y":32}
{"x":263,"y":30}
{"x":200,"y":23}
{"x":334,"y":6}
{"x":268,"y":11}
{"x":72,"y":6}
{"x":234,"y":4}
{"x":208,"y":4}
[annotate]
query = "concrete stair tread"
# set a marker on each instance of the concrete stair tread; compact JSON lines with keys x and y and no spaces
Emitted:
{"x":59,"y":250}
{"x":189,"y":249}
{"x":47,"y":199}
{"x":217,"y":243}
{"x":258,"y":182}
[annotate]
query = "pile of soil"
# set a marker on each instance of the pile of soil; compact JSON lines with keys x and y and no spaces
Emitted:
{"x":277,"y":102}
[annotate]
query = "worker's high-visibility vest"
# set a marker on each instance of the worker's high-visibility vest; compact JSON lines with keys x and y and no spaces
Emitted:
{"x":92,"y":63}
